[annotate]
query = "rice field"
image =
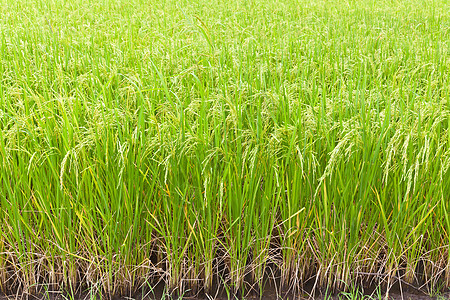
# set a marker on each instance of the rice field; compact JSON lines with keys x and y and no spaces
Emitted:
{"x":223,"y":143}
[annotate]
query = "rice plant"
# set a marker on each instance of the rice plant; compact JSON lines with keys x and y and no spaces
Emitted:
{"x":224,"y":144}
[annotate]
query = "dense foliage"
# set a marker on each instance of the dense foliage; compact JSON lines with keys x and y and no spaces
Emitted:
{"x":198,"y":142}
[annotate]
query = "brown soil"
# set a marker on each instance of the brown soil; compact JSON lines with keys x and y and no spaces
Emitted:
{"x":269,"y":295}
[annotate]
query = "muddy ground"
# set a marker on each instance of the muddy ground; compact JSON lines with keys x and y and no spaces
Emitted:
{"x":269,"y":294}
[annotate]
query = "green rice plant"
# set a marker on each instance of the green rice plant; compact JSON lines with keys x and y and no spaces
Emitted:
{"x":205,"y":145}
{"x":265,"y":220}
{"x":207,"y":206}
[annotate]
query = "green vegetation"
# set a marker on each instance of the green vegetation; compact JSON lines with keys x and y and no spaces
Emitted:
{"x":203,"y":142}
